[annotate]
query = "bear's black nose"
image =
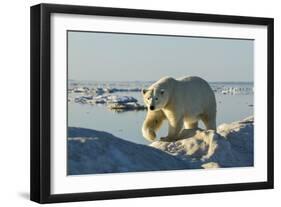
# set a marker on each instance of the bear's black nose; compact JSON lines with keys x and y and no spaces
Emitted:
{"x":151,"y":107}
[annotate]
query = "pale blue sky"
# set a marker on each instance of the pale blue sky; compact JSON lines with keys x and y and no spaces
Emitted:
{"x":130,"y":57}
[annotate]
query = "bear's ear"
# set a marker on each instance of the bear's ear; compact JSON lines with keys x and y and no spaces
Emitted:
{"x":162,"y":91}
{"x":144,"y":91}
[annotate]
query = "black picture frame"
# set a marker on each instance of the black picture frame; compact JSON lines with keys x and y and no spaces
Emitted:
{"x":41,"y":102}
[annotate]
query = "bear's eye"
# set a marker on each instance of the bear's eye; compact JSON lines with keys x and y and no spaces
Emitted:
{"x":156,"y":99}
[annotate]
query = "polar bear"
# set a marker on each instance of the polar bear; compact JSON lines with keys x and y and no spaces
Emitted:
{"x":183,"y":102}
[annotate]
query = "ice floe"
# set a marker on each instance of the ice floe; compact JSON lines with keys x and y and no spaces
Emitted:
{"x":112,"y":101}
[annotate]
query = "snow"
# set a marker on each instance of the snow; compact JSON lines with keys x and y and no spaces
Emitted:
{"x":80,"y":90}
{"x":121,"y":99}
{"x":230,"y":146}
{"x":126,"y":106}
{"x":91,"y":151}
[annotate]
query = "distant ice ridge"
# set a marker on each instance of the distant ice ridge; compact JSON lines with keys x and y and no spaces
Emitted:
{"x":114,"y":102}
{"x":85,"y":95}
{"x":104,"y":93}
{"x":217,"y":89}
{"x":100,"y":91}
{"x":91,"y":151}
{"x":101,"y":99}
{"x":234,"y":90}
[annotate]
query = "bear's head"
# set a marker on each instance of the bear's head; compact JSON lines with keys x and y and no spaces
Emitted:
{"x":155,"y":98}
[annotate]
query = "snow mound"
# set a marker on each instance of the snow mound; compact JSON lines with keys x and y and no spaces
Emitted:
{"x":91,"y":152}
{"x":231,"y":146}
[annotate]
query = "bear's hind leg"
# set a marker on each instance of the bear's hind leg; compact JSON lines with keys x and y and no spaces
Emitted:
{"x":175,"y":127}
{"x":209,"y":121}
{"x":190,"y":125}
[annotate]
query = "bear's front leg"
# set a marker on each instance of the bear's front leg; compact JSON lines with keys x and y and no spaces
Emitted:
{"x":149,"y":134}
{"x":152,"y":123}
{"x":175,"y":126}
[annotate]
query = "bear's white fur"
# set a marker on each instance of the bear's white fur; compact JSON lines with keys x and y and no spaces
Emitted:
{"x":183,"y":102}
